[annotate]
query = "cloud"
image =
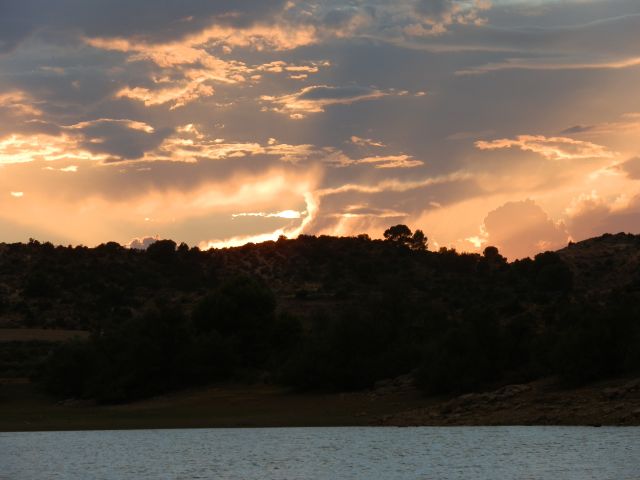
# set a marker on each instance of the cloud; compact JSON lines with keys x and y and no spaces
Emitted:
{"x":69,"y":169}
{"x":366,"y":142}
{"x":435,"y":16}
{"x":386,"y":161}
{"x":628,"y":123}
{"x":353,"y":208}
{"x":193,"y":68}
{"x":19,"y":148}
{"x":148,"y":19}
{"x":123,"y":116}
{"x":18,"y":103}
{"x":95,"y":216}
{"x":141,"y":243}
{"x":100,"y":122}
{"x":121,"y":139}
{"x":591,"y":215}
{"x":189,"y":145}
{"x":552,"y":148}
{"x":290,"y":214}
{"x":315,"y":98}
{"x":631,"y":167}
{"x":178,"y":96}
{"x":521,"y":229}
{"x":552,"y":64}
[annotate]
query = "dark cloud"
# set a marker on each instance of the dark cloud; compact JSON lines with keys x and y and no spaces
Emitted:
{"x":340,"y":17}
{"x":123,"y":139}
{"x":434,"y":9}
{"x":577,"y":129}
{"x":156,"y":20}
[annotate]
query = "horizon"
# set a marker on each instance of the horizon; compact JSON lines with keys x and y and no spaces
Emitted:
{"x":506,"y":123}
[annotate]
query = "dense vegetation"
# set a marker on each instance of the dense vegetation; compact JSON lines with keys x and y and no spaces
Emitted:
{"x":324,"y":313}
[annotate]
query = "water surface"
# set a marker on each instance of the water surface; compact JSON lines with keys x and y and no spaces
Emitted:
{"x":477,"y":453}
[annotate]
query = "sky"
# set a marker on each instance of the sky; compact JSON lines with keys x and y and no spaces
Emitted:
{"x":511,"y":123}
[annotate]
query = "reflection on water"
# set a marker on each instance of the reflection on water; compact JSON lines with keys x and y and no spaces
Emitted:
{"x":326,"y":453}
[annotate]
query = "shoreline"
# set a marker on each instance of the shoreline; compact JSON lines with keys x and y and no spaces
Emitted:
{"x":540,"y":403}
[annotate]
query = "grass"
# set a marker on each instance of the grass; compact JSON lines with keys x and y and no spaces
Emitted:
{"x":24,"y":408}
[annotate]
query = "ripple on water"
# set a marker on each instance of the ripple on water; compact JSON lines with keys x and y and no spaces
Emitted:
{"x":454,"y":453}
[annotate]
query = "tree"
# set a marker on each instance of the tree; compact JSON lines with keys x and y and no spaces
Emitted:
{"x":418,"y":241}
{"x":398,"y":234}
{"x":162,"y":250}
{"x":402,"y":235}
{"x":492,"y":255}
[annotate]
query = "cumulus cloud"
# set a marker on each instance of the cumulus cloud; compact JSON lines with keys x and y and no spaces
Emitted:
{"x":141,"y":243}
{"x":591,"y":215}
{"x":521,"y":229}
{"x":552,"y":148}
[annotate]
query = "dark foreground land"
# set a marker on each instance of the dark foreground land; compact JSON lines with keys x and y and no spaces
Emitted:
{"x":392,"y":403}
{"x":309,"y":332}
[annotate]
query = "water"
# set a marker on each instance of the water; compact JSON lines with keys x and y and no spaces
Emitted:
{"x":476,"y":453}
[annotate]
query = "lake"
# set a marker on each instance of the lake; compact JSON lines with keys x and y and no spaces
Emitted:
{"x":476,"y":453}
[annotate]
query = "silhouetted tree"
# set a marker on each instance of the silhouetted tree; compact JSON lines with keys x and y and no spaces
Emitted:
{"x":492,"y":255}
{"x":162,"y":250}
{"x":418,"y":241}
{"x":398,"y":234}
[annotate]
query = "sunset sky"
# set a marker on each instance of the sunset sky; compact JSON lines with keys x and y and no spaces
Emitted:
{"x":512,"y":123}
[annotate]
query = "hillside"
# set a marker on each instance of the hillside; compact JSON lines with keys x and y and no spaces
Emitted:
{"x":316,"y":314}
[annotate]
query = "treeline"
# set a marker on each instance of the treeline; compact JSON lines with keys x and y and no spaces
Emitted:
{"x":379,"y":309}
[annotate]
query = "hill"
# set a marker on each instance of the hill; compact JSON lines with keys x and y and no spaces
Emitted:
{"x":320,"y":314}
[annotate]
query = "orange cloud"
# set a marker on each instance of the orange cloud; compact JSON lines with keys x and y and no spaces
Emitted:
{"x":520,"y":229}
{"x":552,"y":148}
{"x":131,"y":124}
{"x":95,"y":218}
{"x":18,"y":148}
{"x":189,"y":145}
{"x":290,"y":231}
{"x":18,"y":102}
{"x":366,"y":142}
{"x":179,"y":96}
{"x":388,"y":161}
{"x":195,"y":67}
{"x":315,"y":98}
